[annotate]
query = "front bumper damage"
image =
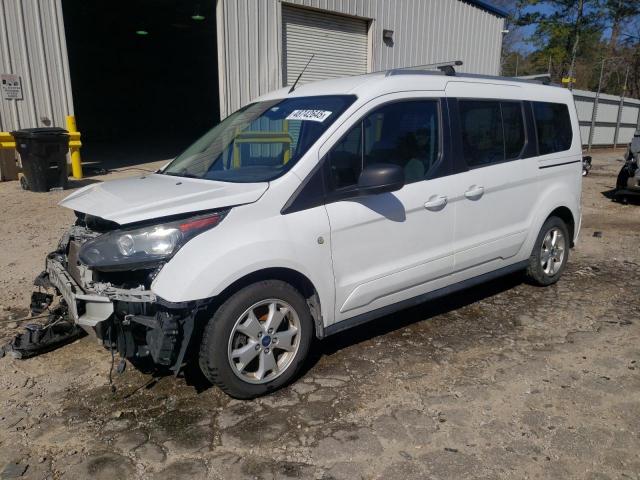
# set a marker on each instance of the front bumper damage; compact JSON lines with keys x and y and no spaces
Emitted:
{"x":87,"y":310}
{"x":131,"y":320}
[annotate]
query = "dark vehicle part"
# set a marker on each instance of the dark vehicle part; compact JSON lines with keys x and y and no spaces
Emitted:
{"x":43,"y":152}
{"x":38,"y":339}
{"x":164,"y":337}
{"x":40,"y":302}
{"x":628,"y":182}
{"x":586,"y":165}
{"x":162,"y":340}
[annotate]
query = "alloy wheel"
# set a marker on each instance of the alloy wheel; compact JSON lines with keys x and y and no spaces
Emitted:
{"x":552,"y":251}
{"x":264,"y":341}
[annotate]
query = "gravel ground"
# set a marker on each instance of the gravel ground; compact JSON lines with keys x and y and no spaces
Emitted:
{"x":501,"y":381}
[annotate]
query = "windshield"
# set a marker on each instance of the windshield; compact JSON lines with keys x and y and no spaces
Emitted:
{"x":260,"y":141}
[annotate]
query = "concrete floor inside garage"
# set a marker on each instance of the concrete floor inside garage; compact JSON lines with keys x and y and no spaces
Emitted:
{"x":504,"y":380}
{"x":144,"y":76}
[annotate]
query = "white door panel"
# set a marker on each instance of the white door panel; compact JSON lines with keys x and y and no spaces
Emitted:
{"x":494,"y":226}
{"x":390,"y":247}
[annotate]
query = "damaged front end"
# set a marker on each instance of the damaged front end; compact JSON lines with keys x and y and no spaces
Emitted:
{"x":103,"y":273}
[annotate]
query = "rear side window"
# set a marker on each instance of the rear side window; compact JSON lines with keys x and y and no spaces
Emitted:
{"x":492,"y":131}
{"x":553,"y":126}
{"x":403,"y":133}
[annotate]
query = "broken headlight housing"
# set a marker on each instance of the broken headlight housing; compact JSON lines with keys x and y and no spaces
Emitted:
{"x":127,"y":249}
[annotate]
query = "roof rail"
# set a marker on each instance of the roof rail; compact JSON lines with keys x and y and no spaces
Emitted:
{"x":444,"y":67}
{"x":534,"y":80}
{"x":544,"y":78}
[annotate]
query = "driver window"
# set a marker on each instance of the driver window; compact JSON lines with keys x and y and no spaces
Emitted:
{"x":402,"y":133}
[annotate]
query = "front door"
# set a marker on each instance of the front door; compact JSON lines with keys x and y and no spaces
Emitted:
{"x":392,"y":246}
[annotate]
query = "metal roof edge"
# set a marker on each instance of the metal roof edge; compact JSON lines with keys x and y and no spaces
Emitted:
{"x":487,"y":6}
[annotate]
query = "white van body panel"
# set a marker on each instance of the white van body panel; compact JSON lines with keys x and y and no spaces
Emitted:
{"x":367,"y":253}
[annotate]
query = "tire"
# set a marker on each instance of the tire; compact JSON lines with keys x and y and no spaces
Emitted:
{"x":236,"y":353}
{"x":540,"y":271}
{"x":623,"y":177}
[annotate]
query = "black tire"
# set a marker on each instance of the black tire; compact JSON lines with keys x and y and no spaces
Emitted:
{"x":535,"y":271}
{"x":213,"y":359}
{"x":623,"y":177}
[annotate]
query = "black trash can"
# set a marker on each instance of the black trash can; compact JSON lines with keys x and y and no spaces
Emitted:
{"x":43,"y":152}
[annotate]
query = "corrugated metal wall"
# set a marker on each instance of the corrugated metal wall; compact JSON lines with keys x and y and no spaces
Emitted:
{"x":606,"y":118}
{"x":425,"y":31}
{"x":32,"y":45}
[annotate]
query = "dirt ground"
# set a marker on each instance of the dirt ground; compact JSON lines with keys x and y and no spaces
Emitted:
{"x":501,"y":381}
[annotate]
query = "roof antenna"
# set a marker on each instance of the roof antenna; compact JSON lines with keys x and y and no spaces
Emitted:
{"x":293,"y":87}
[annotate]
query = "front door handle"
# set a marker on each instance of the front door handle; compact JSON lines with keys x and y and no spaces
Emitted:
{"x":435,"y":203}
{"x":474,"y":192}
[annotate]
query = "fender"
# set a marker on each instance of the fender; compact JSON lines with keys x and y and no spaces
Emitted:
{"x":239,"y":246}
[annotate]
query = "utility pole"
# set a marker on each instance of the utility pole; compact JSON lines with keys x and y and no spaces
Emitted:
{"x":594,"y":111}
{"x":620,"y":108}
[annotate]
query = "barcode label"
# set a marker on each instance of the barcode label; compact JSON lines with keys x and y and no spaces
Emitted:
{"x":311,"y":115}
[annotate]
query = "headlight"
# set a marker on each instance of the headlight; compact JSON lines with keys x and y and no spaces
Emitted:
{"x":126,"y":249}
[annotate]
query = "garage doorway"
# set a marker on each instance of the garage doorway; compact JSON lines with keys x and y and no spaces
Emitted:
{"x":339,"y":44}
{"x":144,"y":76}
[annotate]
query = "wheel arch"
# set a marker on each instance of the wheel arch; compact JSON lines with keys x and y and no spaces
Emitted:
{"x":565,"y":214}
{"x":297,"y":280}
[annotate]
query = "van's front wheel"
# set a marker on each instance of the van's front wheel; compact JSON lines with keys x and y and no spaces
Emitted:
{"x":550,"y":253}
{"x":257,"y":340}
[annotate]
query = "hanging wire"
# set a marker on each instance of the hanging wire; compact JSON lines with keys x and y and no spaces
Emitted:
{"x":113,"y":359}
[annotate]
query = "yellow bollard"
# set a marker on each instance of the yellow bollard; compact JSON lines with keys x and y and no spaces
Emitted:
{"x":74,"y":147}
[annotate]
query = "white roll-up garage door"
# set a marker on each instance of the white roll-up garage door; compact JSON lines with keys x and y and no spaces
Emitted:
{"x":339,"y":44}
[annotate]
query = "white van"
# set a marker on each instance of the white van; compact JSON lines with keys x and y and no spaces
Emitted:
{"x":314,"y":210}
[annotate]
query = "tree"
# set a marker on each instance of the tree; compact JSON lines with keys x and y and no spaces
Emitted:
{"x":562,"y":36}
{"x":619,"y":12}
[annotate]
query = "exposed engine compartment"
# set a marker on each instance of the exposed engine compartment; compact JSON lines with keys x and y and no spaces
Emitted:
{"x":141,"y":325}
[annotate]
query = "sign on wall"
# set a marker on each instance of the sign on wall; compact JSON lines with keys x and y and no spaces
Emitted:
{"x":11,"y":86}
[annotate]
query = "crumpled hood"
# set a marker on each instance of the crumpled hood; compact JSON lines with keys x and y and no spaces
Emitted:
{"x":152,"y":196}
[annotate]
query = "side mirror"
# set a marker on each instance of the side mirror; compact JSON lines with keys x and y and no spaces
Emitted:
{"x":380,"y":178}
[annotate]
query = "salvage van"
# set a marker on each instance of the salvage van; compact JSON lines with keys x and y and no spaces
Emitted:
{"x":318,"y":208}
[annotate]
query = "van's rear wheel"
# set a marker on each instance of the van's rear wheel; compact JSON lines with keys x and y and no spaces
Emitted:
{"x":550,"y":253}
{"x":257,"y":340}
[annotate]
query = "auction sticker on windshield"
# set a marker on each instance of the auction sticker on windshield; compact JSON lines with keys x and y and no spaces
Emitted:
{"x":312,"y":115}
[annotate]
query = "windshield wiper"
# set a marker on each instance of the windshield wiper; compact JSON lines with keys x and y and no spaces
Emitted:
{"x":182,"y":174}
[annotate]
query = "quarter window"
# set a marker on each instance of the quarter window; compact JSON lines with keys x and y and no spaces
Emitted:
{"x":402,"y":133}
{"x":553,"y":126}
{"x":492,"y":131}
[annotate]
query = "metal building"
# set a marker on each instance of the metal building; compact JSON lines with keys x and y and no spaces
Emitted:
{"x":146,"y":71}
{"x":263,"y":45}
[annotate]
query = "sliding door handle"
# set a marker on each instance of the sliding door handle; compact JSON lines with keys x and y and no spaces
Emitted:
{"x":474,"y":192}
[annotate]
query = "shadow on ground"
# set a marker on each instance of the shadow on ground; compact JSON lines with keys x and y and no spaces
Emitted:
{"x":362,"y":333}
